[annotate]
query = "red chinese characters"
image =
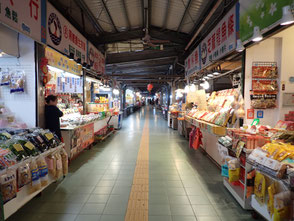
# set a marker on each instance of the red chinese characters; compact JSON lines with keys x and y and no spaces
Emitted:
{"x":218,"y":37}
{"x":34,"y":8}
{"x":209,"y":45}
{"x":213,"y":42}
{"x":224,"y":32}
{"x":76,"y":40}
{"x":196,"y":57}
{"x":231,"y":25}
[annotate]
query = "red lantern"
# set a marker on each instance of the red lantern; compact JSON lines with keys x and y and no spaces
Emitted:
{"x":149,"y":87}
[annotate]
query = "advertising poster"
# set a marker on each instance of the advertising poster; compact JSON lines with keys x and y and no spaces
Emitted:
{"x":222,"y":39}
{"x":23,"y":16}
{"x":62,"y":36}
{"x":262,"y":13}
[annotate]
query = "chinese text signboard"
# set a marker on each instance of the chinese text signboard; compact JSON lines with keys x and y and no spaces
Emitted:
{"x":96,"y":59}
{"x":73,"y":85}
{"x":192,"y":63}
{"x":62,"y":36}
{"x":262,"y":13}
{"x":221,"y":40}
{"x":23,"y":16}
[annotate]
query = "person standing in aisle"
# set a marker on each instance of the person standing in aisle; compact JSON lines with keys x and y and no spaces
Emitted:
{"x":52,"y":115}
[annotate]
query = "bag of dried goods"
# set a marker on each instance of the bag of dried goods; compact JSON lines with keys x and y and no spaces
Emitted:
{"x":59,"y":170}
{"x":43,"y":170}
{"x":8,"y":185}
{"x":35,"y":183}
{"x":260,"y":187}
{"x":64,"y":157}
{"x":51,"y":163}
{"x":24,"y":175}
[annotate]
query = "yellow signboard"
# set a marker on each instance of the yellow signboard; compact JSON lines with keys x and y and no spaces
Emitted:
{"x":60,"y":61}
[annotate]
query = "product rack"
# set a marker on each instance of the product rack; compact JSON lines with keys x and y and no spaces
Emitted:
{"x":237,"y":191}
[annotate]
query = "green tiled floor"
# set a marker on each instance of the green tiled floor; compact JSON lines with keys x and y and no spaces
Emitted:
{"x":184,"y":185}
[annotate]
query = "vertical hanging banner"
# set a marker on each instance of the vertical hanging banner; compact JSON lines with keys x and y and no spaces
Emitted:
{"x":265,"y":14}
{"x":23,"y":15}
{"x":96,"y":59}
{"x":222,"y":39}
{"x":62,"y":36}
{"x":192,"y":63}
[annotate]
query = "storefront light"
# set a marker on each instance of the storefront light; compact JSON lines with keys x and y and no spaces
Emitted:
{"x":57,"y":70}
{"x":205,"y":85}
{"x":193,"y":88}
{"x":215,"y":73}
{"x":256,"y":34}
{"x":115,"y":91}
{"x":210,"y":75}
{"x":239,"y":47}
{"x":187,"y":89}
{"x":287,"y":18}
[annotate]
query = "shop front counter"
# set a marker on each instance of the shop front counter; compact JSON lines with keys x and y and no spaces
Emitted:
{"x":78,"y":138}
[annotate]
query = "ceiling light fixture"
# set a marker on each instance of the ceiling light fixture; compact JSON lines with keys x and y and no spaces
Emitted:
{"x":287,"y":18}
{"x":210,"y":75}
{"x":256,"y":34}
{"x":239,"y":47}
{"x":215,"y":73}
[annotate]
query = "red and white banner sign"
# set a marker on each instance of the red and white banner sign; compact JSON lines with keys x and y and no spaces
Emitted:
{"x":192,"y":63}
{"x":62,"y":36}
{"x":23,"y":16}
{"x":221,"y":40}
{"x":96,"y":59}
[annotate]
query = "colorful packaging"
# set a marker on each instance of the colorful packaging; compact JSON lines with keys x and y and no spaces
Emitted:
{"x":8,"y":185}
{"x":43,"y":170}
{"x":260,"y":187}
{"x":35,"y":183}
{"x":24,"y":175}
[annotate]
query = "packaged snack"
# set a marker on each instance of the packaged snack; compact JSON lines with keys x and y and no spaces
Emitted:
{"x":282,"y":206}
{"x":234,"y":175}
{"x":24,"y":175}
{"x":8,"y":185}
{"x":7,"y":158}
{"x":270,"y":71}
{"x":264,"y":85}
{"x":5,"y":78}
{"x":4,"y":136}
{"x":223,"y":117}
{"x":64,"y":157}
{"x":35,"y":183}
{"x":59,"y":170}
{"x":17,"y":82}
{"x":43,"y":170}
{"x":260,"y":187}
{"x":272,"y":190}
{"x":263,"y":100}
{"x":225,"y":170}
{"x":51,"y":163}
{"x":16,"y":148}
{"x":250,"y":183}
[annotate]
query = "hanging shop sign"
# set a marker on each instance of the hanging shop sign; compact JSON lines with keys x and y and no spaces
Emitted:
{"x":62,"y":36}
{"x":222,"y":39}
{"x":60,"y":61}
{"x":72,"y":85}
{"x":96,"y":59}
{"x":23,"y":16}
{"x":192,"y":63}
{"x":265,"y":14}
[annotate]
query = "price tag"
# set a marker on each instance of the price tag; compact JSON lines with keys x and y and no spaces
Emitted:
{"x":49,"y":136}
{"x":30,"y":145}
{"x":18,"y":147}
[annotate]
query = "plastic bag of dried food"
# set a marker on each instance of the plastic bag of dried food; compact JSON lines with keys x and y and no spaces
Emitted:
{"x":43,"y":170}
{"x":24,"y":175}
{"x":17,"y":82}
{"x":59,"y":170}
{"x":16,"y":148}
{"x":8,"y":185}
{"x":51,"y":163}
{"x":64,"y":158}
{"x":35,"y":183}
{"x":5,"y":78}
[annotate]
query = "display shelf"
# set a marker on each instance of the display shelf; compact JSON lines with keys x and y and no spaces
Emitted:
{"x":238,"y":193}
{"x":107,"y":135}
{"x":24,"y":195}
{"x":261,"y":209}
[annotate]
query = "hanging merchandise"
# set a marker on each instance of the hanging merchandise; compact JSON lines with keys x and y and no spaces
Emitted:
{"x":197,"y":139}
{"x":149,"y":87}
{"x":17,"y":82}
{"x":5,"y":77}
{"x":263,"y":100}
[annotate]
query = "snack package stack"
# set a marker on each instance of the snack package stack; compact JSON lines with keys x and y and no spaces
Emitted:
{"x":35,"y":182}
{"x":64,"y":158}
{"x":59,"y":170}
{"x":43,"y":170}
{"x":51,"y":163}
{"x":24,"y":175}
{"x":8,"y":185}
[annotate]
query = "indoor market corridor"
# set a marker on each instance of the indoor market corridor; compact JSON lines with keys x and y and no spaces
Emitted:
{"x":177,"y":184}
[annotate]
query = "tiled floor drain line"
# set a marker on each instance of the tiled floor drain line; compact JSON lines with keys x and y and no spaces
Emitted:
{"x":138,"y":201}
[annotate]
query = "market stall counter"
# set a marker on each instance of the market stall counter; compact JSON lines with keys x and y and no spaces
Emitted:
{"x":79,"y":131}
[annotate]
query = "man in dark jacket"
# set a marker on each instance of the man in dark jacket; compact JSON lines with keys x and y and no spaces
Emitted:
{"x":52,"y":115}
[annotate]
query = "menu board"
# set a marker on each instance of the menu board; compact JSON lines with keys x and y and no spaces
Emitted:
{"x":71,"y":85}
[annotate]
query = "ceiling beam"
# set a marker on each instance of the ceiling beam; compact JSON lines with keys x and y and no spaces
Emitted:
{"x":166,"y":14}
{"x":146,"y":55}
{"x":126,"y":14}
{"x":184,"y":15}
{"x":145,"y":76}
{"x":140,"y":73}
{"x":90,"y":15}
{"x":108,"y":14}
{"x":121,"y":36}
{"x":165,"y":34}
{"x":145,"y":80}
{"x":113,"y":68}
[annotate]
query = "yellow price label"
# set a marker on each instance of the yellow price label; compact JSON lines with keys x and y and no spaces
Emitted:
{"x":30,"y":145}
{"x":49,"y":136}
{"x":18,"y":147}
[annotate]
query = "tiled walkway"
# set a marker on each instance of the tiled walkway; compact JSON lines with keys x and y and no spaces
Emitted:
{"x":184,"y":185}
